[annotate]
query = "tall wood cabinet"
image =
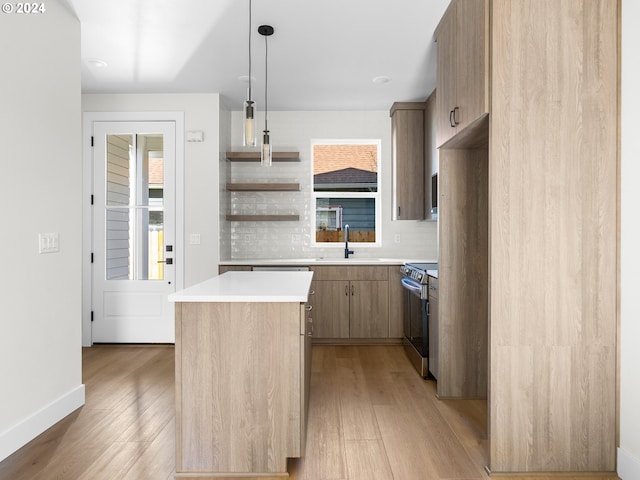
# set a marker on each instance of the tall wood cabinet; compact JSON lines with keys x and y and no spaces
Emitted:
{"x":528,"y":232}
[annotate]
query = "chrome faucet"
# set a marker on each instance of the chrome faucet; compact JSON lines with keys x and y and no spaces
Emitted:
{"x":346,"y":241}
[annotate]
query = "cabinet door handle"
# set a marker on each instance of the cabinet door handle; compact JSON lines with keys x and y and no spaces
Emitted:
{"x":455,"y":119}
{"x":352,"y":290}
{"x":308,"y":308}
{"x":346,"y":290}
{"x":453,"y":125}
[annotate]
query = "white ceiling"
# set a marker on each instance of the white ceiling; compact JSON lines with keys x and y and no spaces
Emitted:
{"x":324,"y":54}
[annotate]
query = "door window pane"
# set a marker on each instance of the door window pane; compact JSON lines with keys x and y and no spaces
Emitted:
{"x":134,"y":207}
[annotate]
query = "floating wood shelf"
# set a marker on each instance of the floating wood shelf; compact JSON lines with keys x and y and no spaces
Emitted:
{"x":255,"y":156}
{"x":263,"y":187}
{"x":263,"y":218}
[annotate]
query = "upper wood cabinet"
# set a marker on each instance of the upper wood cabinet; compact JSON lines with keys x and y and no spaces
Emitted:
{"x":463,"y":67}
{"x":407,"y":154}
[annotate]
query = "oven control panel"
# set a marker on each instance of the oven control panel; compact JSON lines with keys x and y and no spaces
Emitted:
{"x":417,"y":272}
{"x":412,"y":273}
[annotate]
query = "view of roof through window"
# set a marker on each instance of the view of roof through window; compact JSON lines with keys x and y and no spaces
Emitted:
{"x":338,"y":167}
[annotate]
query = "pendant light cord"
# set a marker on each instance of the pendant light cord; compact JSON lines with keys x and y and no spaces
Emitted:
{"x":250,"y":50}
{"x":266,"y":105}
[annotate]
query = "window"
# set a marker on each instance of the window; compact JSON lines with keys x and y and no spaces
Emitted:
{"x":346,"y":191}
{"x":135,"y":207}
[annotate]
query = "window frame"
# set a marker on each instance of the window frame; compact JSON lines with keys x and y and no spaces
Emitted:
{"x":377,"y":195}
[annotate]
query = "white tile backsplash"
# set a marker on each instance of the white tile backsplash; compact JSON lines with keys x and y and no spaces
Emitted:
{"x":293,"y":131}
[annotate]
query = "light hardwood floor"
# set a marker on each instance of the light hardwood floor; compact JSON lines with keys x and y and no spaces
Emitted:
{"x":371,"y":417}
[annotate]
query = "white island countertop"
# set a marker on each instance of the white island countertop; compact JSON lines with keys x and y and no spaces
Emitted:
{"x":249,"y":287}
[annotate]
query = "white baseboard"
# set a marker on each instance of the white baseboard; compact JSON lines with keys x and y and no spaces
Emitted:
{"x":628,"y":465}
{"x":28,"y":429}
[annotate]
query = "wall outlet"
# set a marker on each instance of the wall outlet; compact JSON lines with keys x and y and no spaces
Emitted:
{"x":48,"y":242}
{"x":396,"y":238}
{"x":194,"y":239}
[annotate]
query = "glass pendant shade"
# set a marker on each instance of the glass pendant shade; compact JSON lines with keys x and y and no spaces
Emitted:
{"x":249,"y":124}
{"x":266,"y":153}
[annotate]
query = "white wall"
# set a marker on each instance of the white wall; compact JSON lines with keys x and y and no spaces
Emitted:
{"x":201,"y":202}
{"x":225,"y":145}
{"x":629,"y":453}
{"x":40,"y":192}
{"x":293,"y":131}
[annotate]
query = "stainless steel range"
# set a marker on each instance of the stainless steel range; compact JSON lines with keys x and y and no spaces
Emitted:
{"x":415,"y":280}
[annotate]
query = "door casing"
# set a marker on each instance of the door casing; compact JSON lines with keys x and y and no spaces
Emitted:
{"x":87,"y":228}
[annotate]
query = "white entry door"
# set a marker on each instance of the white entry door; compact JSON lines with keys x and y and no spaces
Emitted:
{"x":133,"y":232}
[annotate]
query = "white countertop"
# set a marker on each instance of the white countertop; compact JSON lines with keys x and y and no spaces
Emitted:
{"x":432,"y":273}
{"x":249,"y":287}
{"x":325,"y":261}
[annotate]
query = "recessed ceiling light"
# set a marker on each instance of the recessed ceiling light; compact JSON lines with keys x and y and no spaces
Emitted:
{"x":96,"y":62}
{"x":381,"y":79}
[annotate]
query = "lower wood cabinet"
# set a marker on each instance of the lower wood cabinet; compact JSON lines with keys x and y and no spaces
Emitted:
{"x":350,"y":302}
{"x":369,"y":309}
{"x":350,"y":309}
{"x":354,"y":301}
{"x":233,"y":268}
{"x":330,"y":302}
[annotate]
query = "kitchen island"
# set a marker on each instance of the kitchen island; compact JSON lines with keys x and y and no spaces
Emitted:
{"x":243,"y":355}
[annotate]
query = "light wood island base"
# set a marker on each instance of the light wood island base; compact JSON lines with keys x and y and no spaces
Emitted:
{"x":241,"y":388}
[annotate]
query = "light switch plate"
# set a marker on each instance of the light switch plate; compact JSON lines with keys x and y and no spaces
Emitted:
{"x":48,"y":242}
{"x":195,"y":136}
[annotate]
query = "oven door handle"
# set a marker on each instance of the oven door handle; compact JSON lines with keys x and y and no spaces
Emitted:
{"x":411,"y":285}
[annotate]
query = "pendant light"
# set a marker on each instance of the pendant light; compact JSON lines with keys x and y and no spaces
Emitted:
{"x":266,"y":152}
{"x":249,"y":106}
